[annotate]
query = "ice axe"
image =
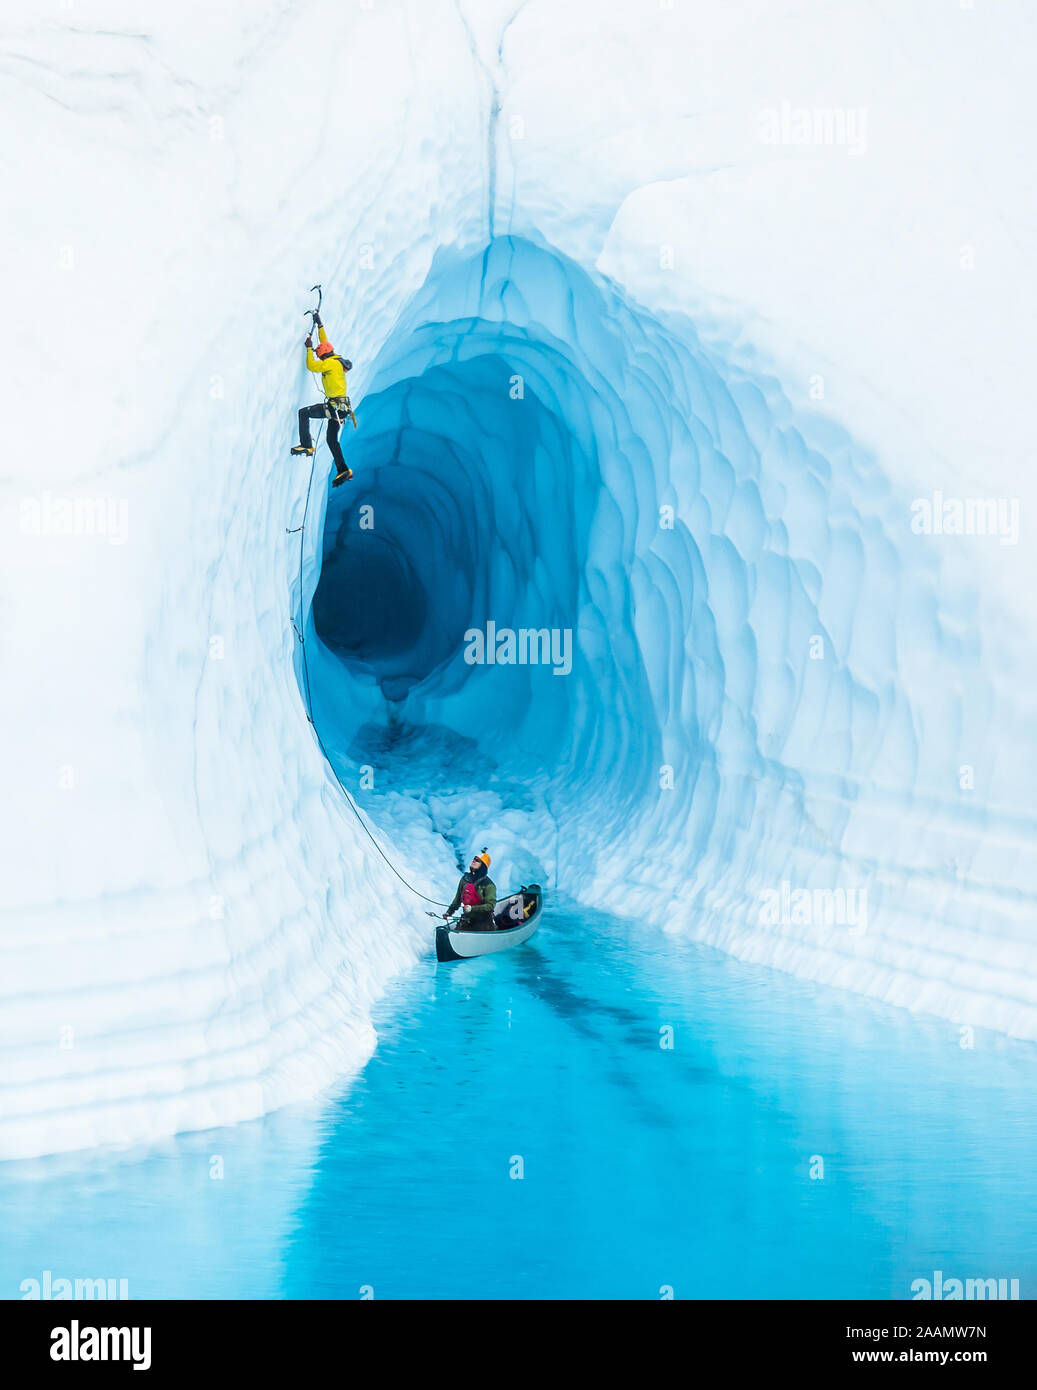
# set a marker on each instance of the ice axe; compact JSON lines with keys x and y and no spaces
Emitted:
{"x":314,"y":314}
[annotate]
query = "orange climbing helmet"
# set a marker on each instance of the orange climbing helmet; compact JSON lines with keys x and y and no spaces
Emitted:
{"x":324,"y":349}
{"x":483,"y":856}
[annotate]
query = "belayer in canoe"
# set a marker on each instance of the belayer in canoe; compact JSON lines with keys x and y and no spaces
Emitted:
{"x":335,"y":407}
{"x":476,"y":896}
{"x":514,"y":921}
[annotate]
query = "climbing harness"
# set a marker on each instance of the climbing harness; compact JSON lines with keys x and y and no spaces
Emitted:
{"x":339,"y":409}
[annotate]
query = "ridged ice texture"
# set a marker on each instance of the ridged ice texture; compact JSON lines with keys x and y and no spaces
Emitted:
{"x":773,"y":683}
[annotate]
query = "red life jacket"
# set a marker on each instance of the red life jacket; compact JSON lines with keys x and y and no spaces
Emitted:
{"x":471,"y":897}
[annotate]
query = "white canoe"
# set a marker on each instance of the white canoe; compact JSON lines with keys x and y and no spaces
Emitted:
{"x":455,"y":944}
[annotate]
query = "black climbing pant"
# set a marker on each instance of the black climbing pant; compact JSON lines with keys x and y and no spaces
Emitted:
{"x":318,"y":412}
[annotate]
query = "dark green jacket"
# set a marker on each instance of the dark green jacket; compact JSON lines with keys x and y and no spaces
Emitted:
{"x":483,"y":913}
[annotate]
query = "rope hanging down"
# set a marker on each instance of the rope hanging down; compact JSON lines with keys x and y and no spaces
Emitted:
{"x":306,"y":684}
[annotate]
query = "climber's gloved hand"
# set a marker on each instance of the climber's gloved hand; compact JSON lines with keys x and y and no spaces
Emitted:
{"x":309,"y":341}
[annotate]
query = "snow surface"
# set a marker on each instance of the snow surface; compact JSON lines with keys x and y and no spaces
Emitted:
{"x":195,"y":925}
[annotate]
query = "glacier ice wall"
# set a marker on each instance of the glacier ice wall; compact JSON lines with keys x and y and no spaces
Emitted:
{"x":194,"y":927}
{"x":773,"y":683}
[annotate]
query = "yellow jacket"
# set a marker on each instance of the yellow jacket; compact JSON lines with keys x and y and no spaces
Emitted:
{"x":332,"y":372}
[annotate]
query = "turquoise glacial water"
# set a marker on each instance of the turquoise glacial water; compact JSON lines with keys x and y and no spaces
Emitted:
{"x":522,"y":1133}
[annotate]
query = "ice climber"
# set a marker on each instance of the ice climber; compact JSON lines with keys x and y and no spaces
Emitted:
{"x":335,"y":407}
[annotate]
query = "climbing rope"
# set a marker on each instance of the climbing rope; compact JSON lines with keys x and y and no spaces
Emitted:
{"x":300,"y":634}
